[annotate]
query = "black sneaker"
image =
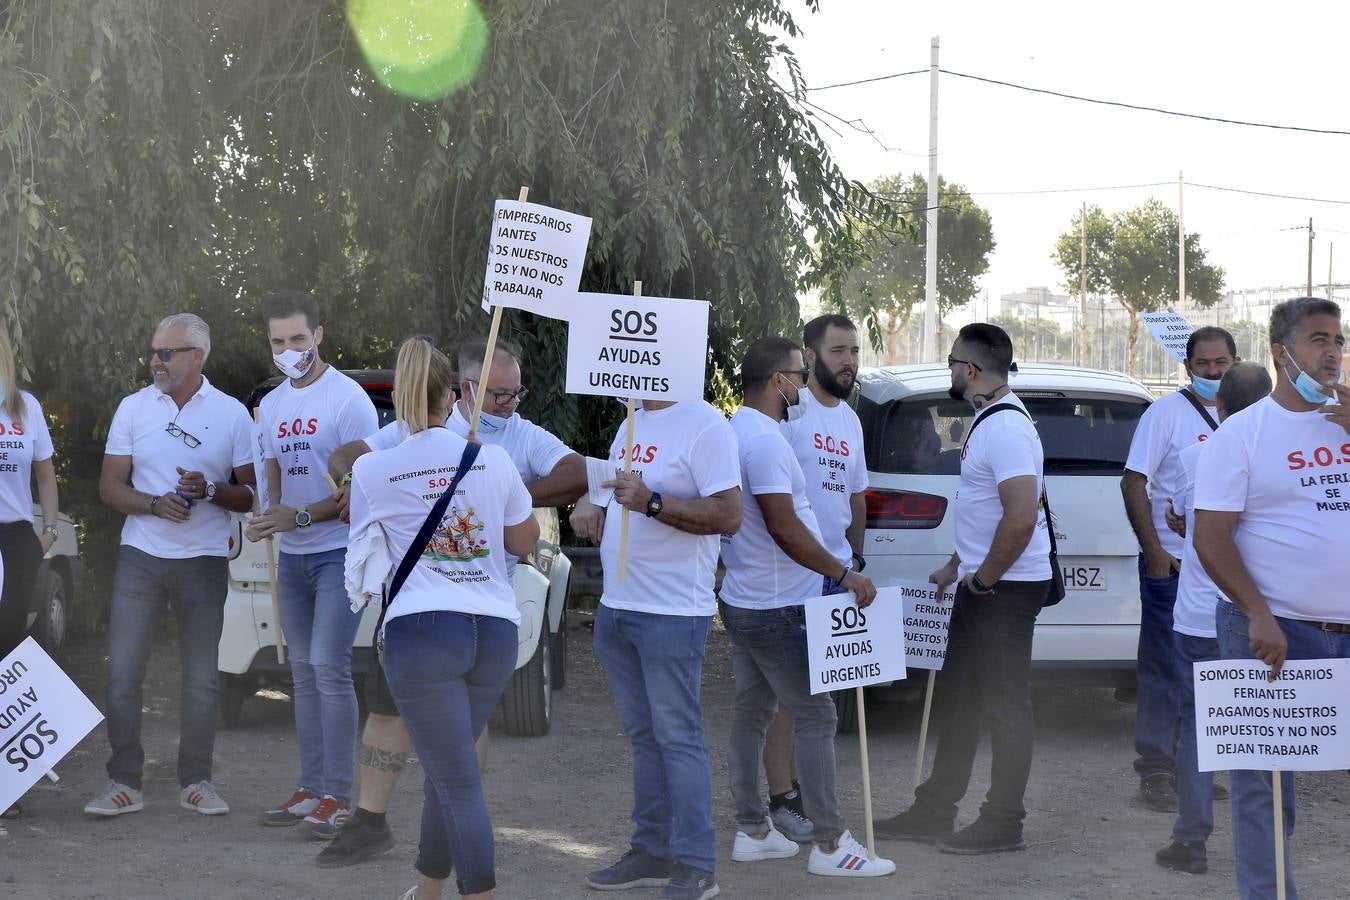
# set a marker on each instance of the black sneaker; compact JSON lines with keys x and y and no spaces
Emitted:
{"x":1159,"y":793}
{"x":983,"y":836}
{"x":355,"y":842}
{"x":635,"y":869}
{"x":688,"y":883}
{"x":912,"y":825}
{"x":1182,"y":857}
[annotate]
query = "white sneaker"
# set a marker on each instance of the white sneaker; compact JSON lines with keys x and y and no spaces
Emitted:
{"x":849,"y":859}
{"x":202,"y":797}
{"x":772,"y":846}
{"x":115,"y":800}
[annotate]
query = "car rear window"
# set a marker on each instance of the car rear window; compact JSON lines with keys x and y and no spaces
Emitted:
{"x":923,"y":436}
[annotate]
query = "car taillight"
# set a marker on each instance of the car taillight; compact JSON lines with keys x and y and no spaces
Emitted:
{"x":904,"y":509}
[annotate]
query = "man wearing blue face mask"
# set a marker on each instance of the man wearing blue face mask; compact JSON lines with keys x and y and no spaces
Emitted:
{"x":1272,"y":528}
{"x":1153,"y":475}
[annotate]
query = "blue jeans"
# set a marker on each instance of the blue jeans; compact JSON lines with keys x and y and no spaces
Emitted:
{"x":446,"y":671}
{"x":769,"y":658}
{"x":1195,"y":789}
{"x":195,"y":589}
{"x":1253,"y":792}
{"x":1159,"y":676}
{"x":655,"y":668}
{"x":319,"y":627}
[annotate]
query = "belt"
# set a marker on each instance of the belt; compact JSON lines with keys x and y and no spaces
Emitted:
{"x":1338,"y":627}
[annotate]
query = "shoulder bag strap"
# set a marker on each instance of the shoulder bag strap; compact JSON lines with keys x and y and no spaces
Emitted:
{"x":1045,"y":501}
{"x":428,"y":528}
{"x":1200,"y":408}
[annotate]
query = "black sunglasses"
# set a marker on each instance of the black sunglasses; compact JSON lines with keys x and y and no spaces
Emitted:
{"x":804,"y":372}
{"x":192,"y":442}
{"x":952,"y":360}
{"x":164,"y":354}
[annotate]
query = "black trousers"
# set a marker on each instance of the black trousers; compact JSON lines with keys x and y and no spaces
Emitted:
{"x":986,"y":677}
{"x":22,"y":554}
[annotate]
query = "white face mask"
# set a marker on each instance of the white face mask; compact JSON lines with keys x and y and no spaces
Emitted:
{"x":295,"y":363}
{"x":793,"y":411}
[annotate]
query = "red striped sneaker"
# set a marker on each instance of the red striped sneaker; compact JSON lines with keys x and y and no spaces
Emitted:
{"x":115,"y":800}
{"x":327,"y":818}
{"x":849,"y":859}
{"x":201,"y":797}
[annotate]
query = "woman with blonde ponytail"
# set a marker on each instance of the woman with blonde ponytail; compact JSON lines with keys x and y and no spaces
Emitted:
{"x":449,"y":630}
{"x":25,"y":457}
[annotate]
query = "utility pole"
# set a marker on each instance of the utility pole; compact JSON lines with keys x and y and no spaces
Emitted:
{"x":1331,"y":253}
{"x":1181,"y":261}
{"x":1310,"y":246}
{"x":930,"y":250}
{"x":1082,"y":288}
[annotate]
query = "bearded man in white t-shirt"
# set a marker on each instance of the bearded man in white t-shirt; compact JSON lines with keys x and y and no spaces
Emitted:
{"x":303,"y":420}
{"x":1272,"y":528}
{"x":1152,"y":477}
{"x":173,"y":447}
{"x":554,"y":475}
{"x":683,"y":493}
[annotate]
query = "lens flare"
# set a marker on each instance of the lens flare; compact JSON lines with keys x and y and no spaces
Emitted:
{"x":420,"y":49}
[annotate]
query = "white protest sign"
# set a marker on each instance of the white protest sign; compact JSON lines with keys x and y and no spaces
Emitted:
{"x":598,"y":471}
{"x":43,"y":716}
{"x":850,"y":647}
{"x":926,"y":622}
{"x":535,"y":255}
{"x":647,"y":348}
{"x":1299,"y":722}
{"x":1169,"y":329}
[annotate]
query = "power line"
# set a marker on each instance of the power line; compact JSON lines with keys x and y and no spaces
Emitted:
{"x":1232,"y":190}
{"x":1116,"y":103}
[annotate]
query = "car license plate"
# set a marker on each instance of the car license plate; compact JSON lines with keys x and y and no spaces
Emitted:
{"x":1083,"y":578}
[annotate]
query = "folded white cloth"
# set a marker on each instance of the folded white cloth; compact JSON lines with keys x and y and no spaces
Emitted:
{"x":367,"y":567}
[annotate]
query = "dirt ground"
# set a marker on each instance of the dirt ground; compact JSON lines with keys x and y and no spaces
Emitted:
{"x":560,"y":803}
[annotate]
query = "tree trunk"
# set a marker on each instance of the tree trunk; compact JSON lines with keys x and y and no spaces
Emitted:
{"x":1133,"y":366}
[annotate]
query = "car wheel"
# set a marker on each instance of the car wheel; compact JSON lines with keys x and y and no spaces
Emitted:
{"x":526,"y":707}
{"x":234,"y":690}
{"x":846,"y":711}
{"x":558,"y":654}
{"x":53,"y":613}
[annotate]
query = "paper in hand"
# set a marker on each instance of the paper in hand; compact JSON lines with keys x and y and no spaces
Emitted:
{"x":599,"y":471}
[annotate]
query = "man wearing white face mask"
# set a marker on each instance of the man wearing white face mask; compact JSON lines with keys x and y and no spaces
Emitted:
{"x":1153,"y":475}
{"x":308,"y":416}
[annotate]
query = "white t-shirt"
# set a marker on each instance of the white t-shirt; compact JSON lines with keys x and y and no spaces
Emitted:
{"x":828,"y":441}
{"x":22,"y":443}
{"x":1287,"y":474}
{"x":463,"y":568}
{"x":138,"y":430}
{"x":687,"y":451}
{"x":759,"y":574}
{"x":1197,"y":594}
{"x":1167,"y":427}
{"x":1007,"y":446}
{"x":301,"y":427}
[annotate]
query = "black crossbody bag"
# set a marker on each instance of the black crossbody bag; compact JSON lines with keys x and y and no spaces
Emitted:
{"x":1200,"y":408}
{"x":420,"y":542}
{"x":1056,"y":592}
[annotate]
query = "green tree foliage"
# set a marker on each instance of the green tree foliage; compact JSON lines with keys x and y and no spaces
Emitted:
{"x":172,"y":155}
{"x":1133,"y":255}
{"x":887,"y":284}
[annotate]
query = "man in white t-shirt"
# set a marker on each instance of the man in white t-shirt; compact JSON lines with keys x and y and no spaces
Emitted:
{"x":1152,"y":477}
{"x":1195,"y":639}
{"x":774,"y":563}
{"x":304,"y":419}
{"x":683,"y":493}
{"x":1272,"y":528}
{"x":172,"y":449}
{"x":553,"y":474}
{"x":827,"y":438}
{"x":1002,"y":564}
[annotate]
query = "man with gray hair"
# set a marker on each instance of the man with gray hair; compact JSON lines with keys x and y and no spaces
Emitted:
{"x":170,"y":474}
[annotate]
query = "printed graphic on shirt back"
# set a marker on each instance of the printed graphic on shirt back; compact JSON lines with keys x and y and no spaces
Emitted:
{"x":459,"y":538}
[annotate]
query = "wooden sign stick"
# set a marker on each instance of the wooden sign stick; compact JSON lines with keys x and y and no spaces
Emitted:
{"x":923,"y":728}
{"x":271,"y":568}
{"x":866,"y":775}
{"x":490,"y":352}
{"x":1278,"y":783}
{"x":627,"y":467}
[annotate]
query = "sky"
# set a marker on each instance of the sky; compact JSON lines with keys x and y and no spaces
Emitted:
{"x":1281,"y":64}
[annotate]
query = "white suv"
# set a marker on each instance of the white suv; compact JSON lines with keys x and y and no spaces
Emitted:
{"x":913,"y":432}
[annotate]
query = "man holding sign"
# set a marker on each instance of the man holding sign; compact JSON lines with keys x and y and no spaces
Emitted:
{"x":773,"y":563}
{"x":1272,"y":528}
{"x":1003,"y":567}
{"x":682,"y":493}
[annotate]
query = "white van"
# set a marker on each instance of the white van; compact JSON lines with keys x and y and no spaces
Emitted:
{"x":913,"y":432}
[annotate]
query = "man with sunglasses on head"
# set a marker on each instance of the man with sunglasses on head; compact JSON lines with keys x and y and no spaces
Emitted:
{"x":171,"y":451}
{"x":553,"y":474}
{"x":309,"y":415}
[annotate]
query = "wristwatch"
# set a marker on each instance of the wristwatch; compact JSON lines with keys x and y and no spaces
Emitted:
{"x":980,"y":586}
{"x":210,"y":492}
{"x":48,"y":527}
{"x":302,"y":517}
{"x":654,"y":505}
{"x":346,"y":479}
